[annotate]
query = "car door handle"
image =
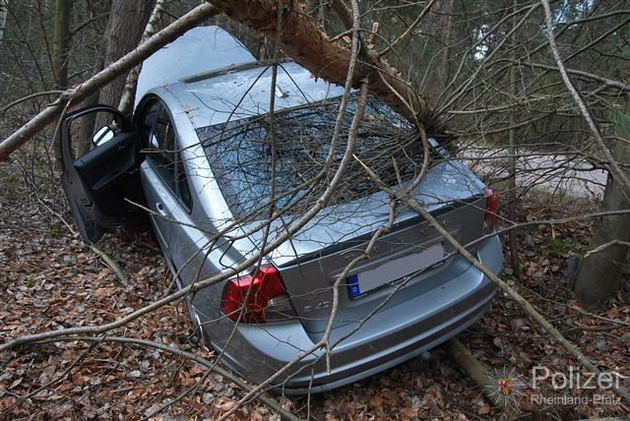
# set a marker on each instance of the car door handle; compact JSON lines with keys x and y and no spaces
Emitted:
{"x":160,"y":208}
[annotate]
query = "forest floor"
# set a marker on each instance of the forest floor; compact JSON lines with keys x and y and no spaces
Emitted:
{"x":51,"y":280}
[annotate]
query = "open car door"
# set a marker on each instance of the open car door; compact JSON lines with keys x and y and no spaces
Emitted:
{"x":100,"y":172}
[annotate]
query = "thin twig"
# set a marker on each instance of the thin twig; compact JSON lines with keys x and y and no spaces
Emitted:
{"x":271,"y":403}
{"x":411,"y":27}
{"x":28,"y":97}
{"x":606,"y":245}
{"x":111,"y":263}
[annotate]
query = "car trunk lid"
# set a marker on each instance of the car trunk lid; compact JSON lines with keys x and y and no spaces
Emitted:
{"x":314,"y":260}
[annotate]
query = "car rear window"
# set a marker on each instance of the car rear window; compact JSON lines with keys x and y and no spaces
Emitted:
{"x":282,"y":159}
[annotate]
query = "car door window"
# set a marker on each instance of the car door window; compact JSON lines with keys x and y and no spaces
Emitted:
{"x":162,"y":147}
{"x":165,"y":154}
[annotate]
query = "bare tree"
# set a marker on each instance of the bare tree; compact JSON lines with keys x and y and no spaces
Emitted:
{"x":600,"y":273}
{"x":63,"y":10}
{"x":4,"y":10}
{"x":127,"y":21}
{"x":52,"y":111}
{"x":125,"y":104}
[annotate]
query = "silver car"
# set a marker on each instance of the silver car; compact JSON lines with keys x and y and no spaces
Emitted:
{"x":228,"y":181}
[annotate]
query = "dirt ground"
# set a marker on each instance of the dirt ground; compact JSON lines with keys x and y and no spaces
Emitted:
{"x":51,"y":280}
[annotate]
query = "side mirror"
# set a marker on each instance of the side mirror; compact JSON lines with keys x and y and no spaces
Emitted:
{"x":103,"y":135}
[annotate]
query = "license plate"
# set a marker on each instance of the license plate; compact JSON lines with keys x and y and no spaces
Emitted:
{"x":390,"y":272}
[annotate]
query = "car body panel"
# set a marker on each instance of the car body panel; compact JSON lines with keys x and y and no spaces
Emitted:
{"x":447,"y":310}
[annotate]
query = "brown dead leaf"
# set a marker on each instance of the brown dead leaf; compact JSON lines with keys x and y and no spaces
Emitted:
{"x":376,"y":401}
{"x":484,"y":410}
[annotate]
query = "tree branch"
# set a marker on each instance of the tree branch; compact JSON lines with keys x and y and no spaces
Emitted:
{"x":584,"y":110}
{"x":129,"y":60}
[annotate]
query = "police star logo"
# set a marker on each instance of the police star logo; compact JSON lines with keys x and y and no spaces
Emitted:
{"x":504,"y":386}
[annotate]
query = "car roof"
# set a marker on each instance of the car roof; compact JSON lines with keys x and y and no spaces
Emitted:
{"x":245,"y":92}
{"x":211,"y":77}
{"x":199,"y":50}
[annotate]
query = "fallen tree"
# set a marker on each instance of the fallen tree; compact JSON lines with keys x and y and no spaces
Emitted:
{"x":301,"y":39}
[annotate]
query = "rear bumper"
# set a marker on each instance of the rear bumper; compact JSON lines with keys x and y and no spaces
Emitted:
{"x":370,"y":346}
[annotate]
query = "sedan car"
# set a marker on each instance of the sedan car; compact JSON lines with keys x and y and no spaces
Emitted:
{"x":231,"y":158}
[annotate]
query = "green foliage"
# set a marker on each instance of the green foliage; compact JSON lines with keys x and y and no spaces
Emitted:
{"x":559,"y":247}
{"x":53,"y":232}
{"x":622,"y":123}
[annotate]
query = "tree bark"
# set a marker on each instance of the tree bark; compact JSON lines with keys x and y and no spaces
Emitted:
{"x":123,"y":32}
{"x":512,"y":195}
{"x":63,"y":10}
{"x":302,"y":40}
{"x":61,"y":49}
{"x":126,"y":100}
{"x":480,"y":374}
{"x":444,"y":74}
{"x":127,"y":20}
{"x":4,"y":11}
{"x":600,"y":272}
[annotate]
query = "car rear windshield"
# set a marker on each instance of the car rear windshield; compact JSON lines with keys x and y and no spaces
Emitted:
{"x":283,"y":159}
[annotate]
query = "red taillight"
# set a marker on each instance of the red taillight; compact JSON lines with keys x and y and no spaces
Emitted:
{"x":492,"y":206}
{"x":247,"y":298}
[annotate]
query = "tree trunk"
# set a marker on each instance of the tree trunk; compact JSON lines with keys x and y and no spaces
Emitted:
{"x":512,"y":195}
{"x":61,"y":42}
{"x":4,"y":10}
{"x":126,"y":24}
{"x":127,"y":19}
{"x":304,"y":42}
{"x":61,"y":49}
{"x":447,"y":38}
{"x":129,"y":91}
{"x":599,"y":275}
{"x":600,"y":272}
